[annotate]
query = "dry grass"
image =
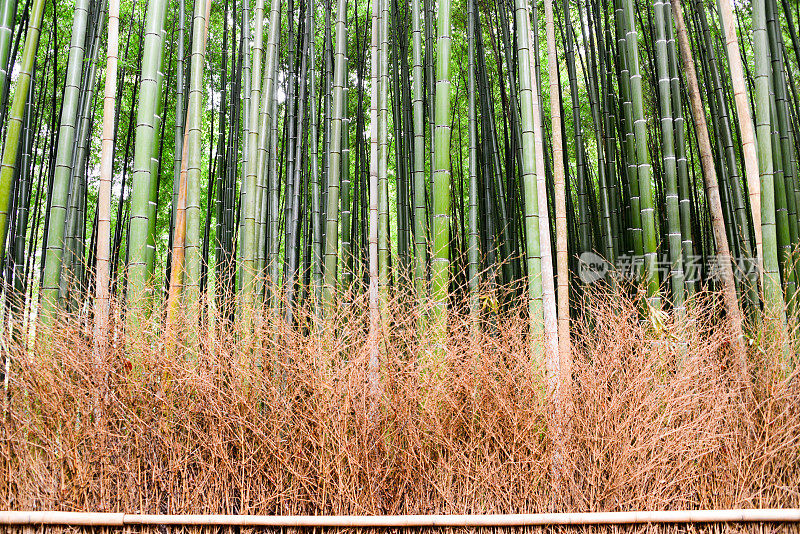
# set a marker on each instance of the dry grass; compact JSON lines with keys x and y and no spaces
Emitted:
{"x":279,"y":422}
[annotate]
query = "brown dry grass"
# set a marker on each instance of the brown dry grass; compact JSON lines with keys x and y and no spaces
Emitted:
{"x":286,"y":428}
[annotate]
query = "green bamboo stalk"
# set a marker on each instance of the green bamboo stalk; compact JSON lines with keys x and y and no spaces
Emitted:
{"x":266,"y":159}
{"x":247,"y":260}
{"x":629,"y":153}
{"x":63,"y":163}
{"x":8,"y":12}
{"x":293,"y":165}
{"x":596,"y":94}
{"x":668,"y":151}
{"x":72,"y":256}
{"x":531,"y":203}
{"x":246,"y":84}
{"x":584,"y":231}
{"x":180,"y":116}
{"x":405,"y":142}
{"x":609,"y":112}
{"x":401,"y":171}
{"x":326,"y":112}
{"x":785,"y":187}
{"x":473,"y":250}
{"x":15,"y":117}
{"x":782,"y":226}
{"x":18,"y":229}
{"x":334,"y":162}
{"x":155,"y":165}
{"x":274,"y":206}
{"x":384,"y":241}
{"x":21,"y":260}
{"x":346,"y":192}
{"x":440,"y":267}
{"x":430,"y":81}
{"x":149,"y":96}
{"x":420,"y":215}
{"x":496,"y":173}
{"x":194,"y":124}
{"x":644,"y":171}
{"x":316,"y":198}
{"x":773,"y":295}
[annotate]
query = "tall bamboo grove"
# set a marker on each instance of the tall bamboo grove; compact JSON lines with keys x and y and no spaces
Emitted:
{"x":257,"y":160}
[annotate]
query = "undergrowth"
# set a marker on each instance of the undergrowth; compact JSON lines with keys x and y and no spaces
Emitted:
{"x":279,"y":421}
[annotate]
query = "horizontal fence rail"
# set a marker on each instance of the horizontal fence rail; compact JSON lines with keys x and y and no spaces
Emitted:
{"x":769,"y":515}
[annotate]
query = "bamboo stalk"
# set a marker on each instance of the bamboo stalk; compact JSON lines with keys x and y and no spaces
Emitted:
{"x":712,"y":192}
{"x":334,"y":163}
{"x":150,"y":89}
{"x":473,"y":250}
{"x":440,"y":263}
{"x":63,"y":164}
{"x":740,"y":96}
{"x":374,"y":310}
{"x":104,"y":194}
{"x":528,"y":169}
{"x":772,"y":515}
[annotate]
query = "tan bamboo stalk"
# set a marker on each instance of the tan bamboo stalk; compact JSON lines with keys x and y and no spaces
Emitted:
{"x":179,"y":241}
{"x":732,"y":310}
{"x":769,"y":515}
{"x":559,"y":372}
{"x":374,"y":309}
{"x":557,"y":376}
{"x":178,"y":246}
{"x":102,"y":269}
{"x":745,"y":124}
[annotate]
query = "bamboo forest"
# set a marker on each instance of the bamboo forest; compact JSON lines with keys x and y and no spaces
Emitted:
{"x":363,"y":257}
{"x":237,"y":161}
{"x":221,"y":163}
